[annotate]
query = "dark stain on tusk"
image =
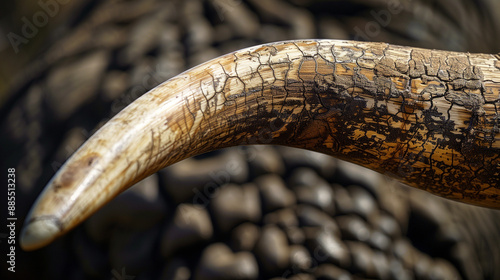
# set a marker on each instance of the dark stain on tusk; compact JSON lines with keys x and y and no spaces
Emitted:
{"x":426,"y":117}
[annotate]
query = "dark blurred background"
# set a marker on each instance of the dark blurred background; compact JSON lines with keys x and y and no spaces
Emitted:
{"x":67,"y":66}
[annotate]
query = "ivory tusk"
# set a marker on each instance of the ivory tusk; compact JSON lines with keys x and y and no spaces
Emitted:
{"x":426,"y":117}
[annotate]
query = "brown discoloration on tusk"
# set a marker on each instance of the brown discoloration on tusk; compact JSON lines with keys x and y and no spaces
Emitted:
{"x":426,"y":117}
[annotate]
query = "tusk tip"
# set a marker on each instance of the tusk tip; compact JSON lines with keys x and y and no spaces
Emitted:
{"x":39,"y":232}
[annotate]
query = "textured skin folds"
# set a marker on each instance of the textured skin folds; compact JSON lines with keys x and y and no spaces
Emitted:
{"x":426,"y":117}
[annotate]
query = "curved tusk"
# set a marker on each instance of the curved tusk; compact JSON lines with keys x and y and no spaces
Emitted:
{"x":426,"y":117}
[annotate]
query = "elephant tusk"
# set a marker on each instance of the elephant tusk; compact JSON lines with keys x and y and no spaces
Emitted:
{"x":426,"y":117}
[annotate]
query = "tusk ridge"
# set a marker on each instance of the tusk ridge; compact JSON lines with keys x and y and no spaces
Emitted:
{"x":425,"y":117}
